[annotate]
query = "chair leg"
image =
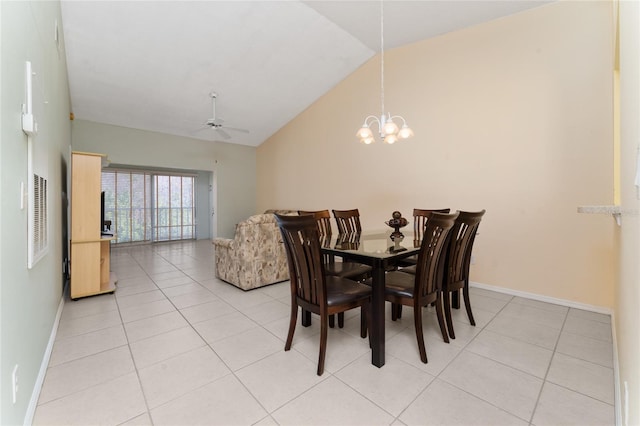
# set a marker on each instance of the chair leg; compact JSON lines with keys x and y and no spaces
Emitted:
{"x":455,"y":299}
{"x":441,"y":321}
{"x":364,"y":314}
{"x":341,"y":320}
{"x":323,"y":344}
{"x":332,"y":321}
{"x":467,"y":304}
{"x":447,"y":314}
{"x":306,"y":318}
{"x":417,"y":318}
{"x":292,"y":326}
{"x":396,"y":311}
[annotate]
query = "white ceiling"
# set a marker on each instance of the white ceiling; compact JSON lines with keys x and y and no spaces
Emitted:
{"x":151,"y":64}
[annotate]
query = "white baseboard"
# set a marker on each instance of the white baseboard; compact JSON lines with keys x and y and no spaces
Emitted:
{"x":576,"y":305}
{"x":616,"y":374}
{"x":37,"y":387}
{"x":548,"y":299}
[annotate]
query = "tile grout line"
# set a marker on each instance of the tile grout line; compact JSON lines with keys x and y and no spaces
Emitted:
{"x":135,"y":365}
{"x":544,"y":380}
{"x":464,"y":348}
{"x":144,"y":395}
{"x":231,"y":371}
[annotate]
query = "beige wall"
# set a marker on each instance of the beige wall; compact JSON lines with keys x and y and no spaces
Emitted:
{"x":233,"y":166}
{"x":513,"y":116}
{"x":627,"y":314}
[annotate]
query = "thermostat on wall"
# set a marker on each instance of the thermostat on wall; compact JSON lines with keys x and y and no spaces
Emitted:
{"x":29,"y":125}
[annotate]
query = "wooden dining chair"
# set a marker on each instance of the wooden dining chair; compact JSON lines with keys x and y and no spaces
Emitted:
{"x":423,"y":288}
{"x":458,"y":261}
{"x":313,"y":290}
{"x":420,"y":218}
{"x":352,"y":270}
{"x":323,"y":220}
{"x":348,"y":221}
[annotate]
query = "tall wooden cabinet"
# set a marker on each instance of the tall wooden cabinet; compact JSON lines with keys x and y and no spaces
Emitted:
{"x":90,"y":251}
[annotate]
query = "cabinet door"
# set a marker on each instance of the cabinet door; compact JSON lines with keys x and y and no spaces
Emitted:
{"x":105,"y":263}
{"x":86,"y":185}
{"x":85,"y":269}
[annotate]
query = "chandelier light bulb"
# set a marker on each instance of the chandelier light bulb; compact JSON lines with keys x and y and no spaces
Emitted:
{"x":367,"y":141}
{"x":364,"y":132}
{"x":390,"y":139}
{"x":405,"y":132}
{"x":390,"y":128}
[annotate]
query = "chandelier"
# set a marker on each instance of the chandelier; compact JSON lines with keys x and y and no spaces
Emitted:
{"x":388,"y":127}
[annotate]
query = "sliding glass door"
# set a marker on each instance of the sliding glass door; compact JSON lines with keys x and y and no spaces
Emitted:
{"x":147,"y":206}
{"x":174,"y":207}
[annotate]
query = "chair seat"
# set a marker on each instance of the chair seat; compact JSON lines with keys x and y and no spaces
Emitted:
{"x":342,"y":291}
{"x":400,"y":284}
{"x":347,"y":269}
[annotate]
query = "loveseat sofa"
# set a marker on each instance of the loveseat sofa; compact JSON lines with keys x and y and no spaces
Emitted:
{"x":256,"y":256}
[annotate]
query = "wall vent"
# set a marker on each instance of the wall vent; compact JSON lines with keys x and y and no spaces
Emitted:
{"x":38,"y":220}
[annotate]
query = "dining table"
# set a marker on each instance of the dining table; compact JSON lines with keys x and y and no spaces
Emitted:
{"x":378,"y":250}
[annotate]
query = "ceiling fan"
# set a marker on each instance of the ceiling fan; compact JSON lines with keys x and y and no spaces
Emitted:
{"x":216,"y":123}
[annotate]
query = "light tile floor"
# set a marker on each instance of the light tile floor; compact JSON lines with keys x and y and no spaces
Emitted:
{"x":176,"y":346}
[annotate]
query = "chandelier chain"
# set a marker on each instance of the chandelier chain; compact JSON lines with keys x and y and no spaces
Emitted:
{"x":382,"y":56}
{"x":388,"y":126}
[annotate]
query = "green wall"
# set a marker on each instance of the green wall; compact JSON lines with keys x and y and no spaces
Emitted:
{"x":29,"y":298}
{"x":233,"y":166}
{"x":203,"y":205}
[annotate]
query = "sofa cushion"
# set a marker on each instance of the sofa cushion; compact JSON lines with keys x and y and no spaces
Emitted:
{"x":282,"y":212}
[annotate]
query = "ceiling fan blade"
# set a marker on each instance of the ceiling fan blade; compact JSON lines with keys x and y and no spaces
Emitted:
{"x":199,"y":129}
{"x":236,"y":129}
{"x":222,"y":133}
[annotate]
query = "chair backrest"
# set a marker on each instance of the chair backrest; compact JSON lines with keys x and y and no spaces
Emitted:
{"x":463,"y":234}
{"x":323,"y":219}
{"x":420,"y":218}
{"x":349,"y":241}
{"x":302,"y":244}
{"x":348,"y":221}
{"x":429,"y":268}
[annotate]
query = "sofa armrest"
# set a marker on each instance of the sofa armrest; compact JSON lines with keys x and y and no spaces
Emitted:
{"x":224,"y":242}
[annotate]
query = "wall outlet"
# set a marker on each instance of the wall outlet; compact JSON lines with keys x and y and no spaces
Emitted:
{"x":14,"y":383}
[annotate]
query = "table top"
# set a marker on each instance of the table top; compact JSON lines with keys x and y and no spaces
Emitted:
{"x":375,"y":244}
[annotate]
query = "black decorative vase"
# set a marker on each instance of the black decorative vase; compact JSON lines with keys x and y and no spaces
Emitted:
{"x":396,"y":222}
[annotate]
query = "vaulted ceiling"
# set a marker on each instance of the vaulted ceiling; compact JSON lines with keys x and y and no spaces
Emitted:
{"x":152,"y":65}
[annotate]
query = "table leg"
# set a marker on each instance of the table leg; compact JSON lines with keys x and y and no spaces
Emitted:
{"x":377,"y":315}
